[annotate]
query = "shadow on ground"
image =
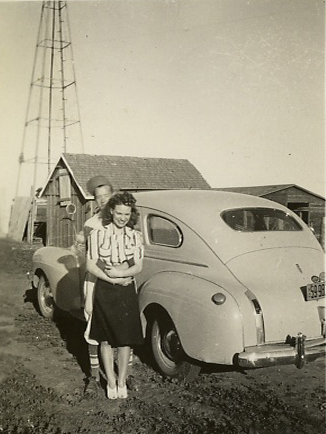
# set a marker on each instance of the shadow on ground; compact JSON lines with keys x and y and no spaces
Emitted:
{"x":71,"y":331}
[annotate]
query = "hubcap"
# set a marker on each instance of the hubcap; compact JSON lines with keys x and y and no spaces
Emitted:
{"x":171,"y":345}
{"x":47,"y":297}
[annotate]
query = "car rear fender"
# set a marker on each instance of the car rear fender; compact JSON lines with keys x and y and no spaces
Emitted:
{"x":208,"y":332}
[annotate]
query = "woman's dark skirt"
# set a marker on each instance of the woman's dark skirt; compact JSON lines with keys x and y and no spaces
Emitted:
{"x":115,"y":317}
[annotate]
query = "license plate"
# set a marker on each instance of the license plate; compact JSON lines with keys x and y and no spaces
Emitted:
{"x":314,"y":291}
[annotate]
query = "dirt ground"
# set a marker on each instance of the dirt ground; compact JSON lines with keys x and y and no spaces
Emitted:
{"x":43,"y":366}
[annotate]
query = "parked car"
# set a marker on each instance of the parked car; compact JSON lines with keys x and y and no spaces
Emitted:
{"x":228,"y":279}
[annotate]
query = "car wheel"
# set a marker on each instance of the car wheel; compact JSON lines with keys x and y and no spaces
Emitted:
{"x":45,"y":298}
{"x":167,"y":350}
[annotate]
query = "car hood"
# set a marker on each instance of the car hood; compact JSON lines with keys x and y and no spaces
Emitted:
{"x":277,"y":278}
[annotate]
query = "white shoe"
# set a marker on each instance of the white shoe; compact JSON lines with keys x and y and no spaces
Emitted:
{"x":112,"y":393}
{"x":122,"y":392}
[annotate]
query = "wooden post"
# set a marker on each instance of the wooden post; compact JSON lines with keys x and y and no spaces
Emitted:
{"x":31,"y":217}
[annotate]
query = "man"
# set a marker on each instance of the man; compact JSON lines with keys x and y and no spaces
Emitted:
{"x":102,"y":190}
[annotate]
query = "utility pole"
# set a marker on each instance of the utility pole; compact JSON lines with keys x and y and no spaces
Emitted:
{"x":52,"y":121}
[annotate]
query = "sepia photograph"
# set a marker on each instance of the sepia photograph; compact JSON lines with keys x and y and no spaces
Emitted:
{"x":162,"y":228}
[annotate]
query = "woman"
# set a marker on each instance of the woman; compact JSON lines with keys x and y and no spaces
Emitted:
{"x":115,"y":256}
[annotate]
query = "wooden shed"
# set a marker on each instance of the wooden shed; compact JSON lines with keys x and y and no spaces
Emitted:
{"x":23,"y":215}
{"x":65,"y":189}
{"x":309,"y":206}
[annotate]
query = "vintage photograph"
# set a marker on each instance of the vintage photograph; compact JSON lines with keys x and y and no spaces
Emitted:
{"x":162,"y":228}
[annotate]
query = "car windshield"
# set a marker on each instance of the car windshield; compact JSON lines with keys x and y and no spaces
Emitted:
{"x":260,"y":219}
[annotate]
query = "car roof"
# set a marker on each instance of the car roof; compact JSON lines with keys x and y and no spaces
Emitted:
{"x":200,"y":210}
{"x":181,"y":203}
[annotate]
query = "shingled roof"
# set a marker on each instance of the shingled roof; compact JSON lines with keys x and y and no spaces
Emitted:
{"x":264,"y":190}
{"x":134,"y":173}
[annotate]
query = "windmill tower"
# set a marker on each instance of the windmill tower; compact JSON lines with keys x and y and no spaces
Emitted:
{"x":52,"y":121}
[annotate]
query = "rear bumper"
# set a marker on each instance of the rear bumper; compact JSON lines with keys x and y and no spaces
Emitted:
{"x":282,"y":354}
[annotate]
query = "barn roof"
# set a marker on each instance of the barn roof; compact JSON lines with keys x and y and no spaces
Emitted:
{"x":133,"y":173}
{"x":264,"y":190}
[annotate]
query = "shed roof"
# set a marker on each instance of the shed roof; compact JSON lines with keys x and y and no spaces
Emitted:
{"x":264,"y":190}
{"x":133,"y":173}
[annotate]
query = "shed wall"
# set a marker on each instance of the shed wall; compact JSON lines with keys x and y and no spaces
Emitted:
{"x":316,"y":205}
{"x":61,"y":227}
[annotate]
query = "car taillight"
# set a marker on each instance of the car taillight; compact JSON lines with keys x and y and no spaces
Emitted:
{"x":260,"y":327}
{"x":259,"y":319}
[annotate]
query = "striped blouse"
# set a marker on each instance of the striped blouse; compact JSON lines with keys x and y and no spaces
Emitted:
{"x":112,"y":248}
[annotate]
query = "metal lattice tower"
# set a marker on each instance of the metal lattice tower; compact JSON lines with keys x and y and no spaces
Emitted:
{"x":52,"y":122}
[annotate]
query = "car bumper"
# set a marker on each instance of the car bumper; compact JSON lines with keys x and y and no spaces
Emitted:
{"x":32,"y":278}
{"x":282,"y":354}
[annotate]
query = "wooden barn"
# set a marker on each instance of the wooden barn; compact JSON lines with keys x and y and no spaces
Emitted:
{"x":69,"y":204}
{"x":309,"y":206}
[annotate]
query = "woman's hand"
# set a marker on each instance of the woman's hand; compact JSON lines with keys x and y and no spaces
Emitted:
{"x":112,"y":271}
{"x":114,"y":275}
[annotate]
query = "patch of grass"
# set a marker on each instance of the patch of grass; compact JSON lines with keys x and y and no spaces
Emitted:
{"x":16,"y":258}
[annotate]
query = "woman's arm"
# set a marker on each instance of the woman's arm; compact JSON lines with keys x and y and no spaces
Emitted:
{"x":93,"y":259}
{"x":115,"y":272}
{"x":96,"y":271}
{"x":136,"y":268}
{"x":95,"y":237}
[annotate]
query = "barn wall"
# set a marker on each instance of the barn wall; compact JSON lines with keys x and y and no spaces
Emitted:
{"x":316,"y":205}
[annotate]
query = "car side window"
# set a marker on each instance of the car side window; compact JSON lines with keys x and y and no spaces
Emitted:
{"x":163,"y":232}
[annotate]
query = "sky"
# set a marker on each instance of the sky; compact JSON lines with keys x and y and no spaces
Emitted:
{"x":234,"y":86}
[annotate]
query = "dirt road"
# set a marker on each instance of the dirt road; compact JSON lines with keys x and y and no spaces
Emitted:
{"x":43,"y":366}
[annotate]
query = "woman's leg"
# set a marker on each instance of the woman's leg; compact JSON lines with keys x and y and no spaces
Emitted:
{"x":108,"y":362}
{"x":123,"y":360}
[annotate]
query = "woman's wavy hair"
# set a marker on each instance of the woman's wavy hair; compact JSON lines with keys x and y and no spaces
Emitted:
{"x":124,"y":198}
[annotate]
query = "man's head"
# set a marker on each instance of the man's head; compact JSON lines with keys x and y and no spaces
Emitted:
{"x":101,"y":188}
{"x":102,"y":195}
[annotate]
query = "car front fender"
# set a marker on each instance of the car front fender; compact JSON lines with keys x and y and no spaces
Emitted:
{"x":61,"y":268}
{"x":208,"y":332}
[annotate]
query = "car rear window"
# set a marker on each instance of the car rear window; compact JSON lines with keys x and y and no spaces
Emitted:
{"x":260,"y":219}
{"x":163,"y":231}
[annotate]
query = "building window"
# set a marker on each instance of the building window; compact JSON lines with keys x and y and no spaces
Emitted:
{"x":64,"y":185}
{"x":301,"y":209}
